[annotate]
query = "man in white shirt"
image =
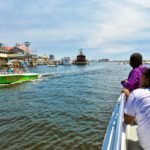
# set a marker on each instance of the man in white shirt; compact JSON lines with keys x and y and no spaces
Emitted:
{"x":138,"y":107}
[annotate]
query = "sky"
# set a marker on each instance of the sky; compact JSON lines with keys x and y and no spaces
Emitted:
{"x":111,"y":29}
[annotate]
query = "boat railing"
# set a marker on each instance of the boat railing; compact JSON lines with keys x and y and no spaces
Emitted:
{"x":113,"y":136}
{"x":7,"y":73}
{"x":3,"y":72}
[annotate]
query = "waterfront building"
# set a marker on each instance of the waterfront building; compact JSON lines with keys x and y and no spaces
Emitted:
{"x":19,"y":51}
{"x":104,"y":60}
{"x":42,"y":60}
{"x":51,"y":57}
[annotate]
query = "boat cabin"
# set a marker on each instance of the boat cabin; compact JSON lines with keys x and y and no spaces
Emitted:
{"x":81,"y":57}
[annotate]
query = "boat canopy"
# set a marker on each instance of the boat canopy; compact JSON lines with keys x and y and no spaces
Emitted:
{"x":21,"y":62}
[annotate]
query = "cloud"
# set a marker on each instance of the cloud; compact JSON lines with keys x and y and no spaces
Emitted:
{"x":125,"y":23}
{"x":144,"y":3}
{"x":108,"y":27}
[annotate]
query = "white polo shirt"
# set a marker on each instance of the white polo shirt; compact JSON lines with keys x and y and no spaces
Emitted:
{"x":138,"y":106}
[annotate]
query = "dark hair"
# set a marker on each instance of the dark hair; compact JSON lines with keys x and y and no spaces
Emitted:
{"x":146,"y":74}
{"x":136,"y":60}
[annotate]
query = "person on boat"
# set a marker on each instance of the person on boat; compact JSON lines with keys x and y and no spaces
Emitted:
{"x":10,"y":69}
{"x":134,"y":77}
{"x":138,"y":107}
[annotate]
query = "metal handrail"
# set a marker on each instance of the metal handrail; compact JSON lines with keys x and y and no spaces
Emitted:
{"x":110,"y":131}
{"x":118,"y":137}
{"x":112,"y":140}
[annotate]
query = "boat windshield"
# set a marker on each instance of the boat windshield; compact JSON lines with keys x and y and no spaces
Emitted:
{"x":14,"y":67}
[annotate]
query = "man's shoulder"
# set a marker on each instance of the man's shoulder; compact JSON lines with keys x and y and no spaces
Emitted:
{"x":139,"y":92}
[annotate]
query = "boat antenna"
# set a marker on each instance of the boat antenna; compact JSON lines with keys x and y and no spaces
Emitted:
{"x":81,"y":49}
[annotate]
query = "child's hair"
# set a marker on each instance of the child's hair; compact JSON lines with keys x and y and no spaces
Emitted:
{"x":146,"y":74}
{"x":136,"y":60}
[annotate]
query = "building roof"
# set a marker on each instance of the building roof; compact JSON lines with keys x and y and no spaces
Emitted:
{"x":23,"y":47}
{"x":7,"y":48}
{"x":11,"y":48}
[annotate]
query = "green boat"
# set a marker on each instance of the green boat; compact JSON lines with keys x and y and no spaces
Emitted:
{"x":14,"y":76}
{"x":17,"y":78}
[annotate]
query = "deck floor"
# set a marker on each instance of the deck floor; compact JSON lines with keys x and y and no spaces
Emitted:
{"x":132,"y":138}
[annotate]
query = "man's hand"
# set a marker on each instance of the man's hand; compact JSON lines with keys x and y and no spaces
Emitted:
{"x":126,"y":91}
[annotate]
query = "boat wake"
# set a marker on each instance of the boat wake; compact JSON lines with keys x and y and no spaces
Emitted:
{"x":74,"y":72}
{"x":79,"y":72}
{"x":45,"y":75}
{"x":66,"y":73}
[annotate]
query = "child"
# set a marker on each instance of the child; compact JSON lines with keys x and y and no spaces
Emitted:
{"x":134,"y":77}
{"x":10,"y":69}
{"x":138,"y":107}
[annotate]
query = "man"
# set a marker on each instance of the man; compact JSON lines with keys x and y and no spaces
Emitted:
{"x":137,"y":108}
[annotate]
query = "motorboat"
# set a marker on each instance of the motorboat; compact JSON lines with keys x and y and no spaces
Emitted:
{"x":51,"y":65}
{"x":120,"y":136}
{"x":17,"y":72}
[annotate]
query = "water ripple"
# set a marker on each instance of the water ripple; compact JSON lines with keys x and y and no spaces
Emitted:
{"x":68,"y":108}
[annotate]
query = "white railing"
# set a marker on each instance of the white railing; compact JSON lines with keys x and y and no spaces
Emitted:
{"x":113,"y":136}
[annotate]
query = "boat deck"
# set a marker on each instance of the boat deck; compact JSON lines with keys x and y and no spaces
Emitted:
{"x":132,"y":138}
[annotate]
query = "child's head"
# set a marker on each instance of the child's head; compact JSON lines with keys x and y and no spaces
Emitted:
{"x":145,"y":81}
{"x":135,"y":60}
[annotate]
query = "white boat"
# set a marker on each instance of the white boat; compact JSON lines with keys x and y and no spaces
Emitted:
{"x":118,"y":135}
{"x":66,"y":61}
{"x":51,"y":65}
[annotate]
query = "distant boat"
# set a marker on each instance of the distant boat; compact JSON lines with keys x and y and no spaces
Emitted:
{"x":66,"y":61}
{"x":17,"y":74}
{"x":51,"y":65}
{"x":81,"y":59}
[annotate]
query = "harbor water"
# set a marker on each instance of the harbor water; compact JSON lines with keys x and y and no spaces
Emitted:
{"x":66,"y":109}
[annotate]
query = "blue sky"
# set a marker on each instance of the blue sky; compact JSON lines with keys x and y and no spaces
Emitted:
{"x":103,"y":28}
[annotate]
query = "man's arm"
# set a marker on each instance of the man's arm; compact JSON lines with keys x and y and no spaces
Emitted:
{"x":128,"y":119}
{"x":129,"y":110}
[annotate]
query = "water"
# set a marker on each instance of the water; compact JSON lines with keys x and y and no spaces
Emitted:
{"x":67,"y":109}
